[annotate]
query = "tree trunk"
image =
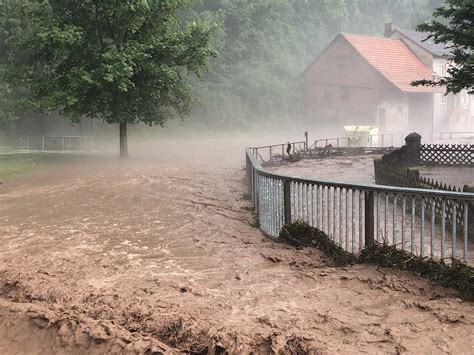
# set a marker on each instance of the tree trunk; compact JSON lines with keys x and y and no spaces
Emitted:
{"x":123,"y":140}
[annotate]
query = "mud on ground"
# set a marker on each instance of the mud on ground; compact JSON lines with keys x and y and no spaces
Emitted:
{"x":158,"y":254}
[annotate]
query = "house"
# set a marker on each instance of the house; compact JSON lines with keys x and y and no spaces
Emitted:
{"x":365,"y":80}
{"x":451,"y":112}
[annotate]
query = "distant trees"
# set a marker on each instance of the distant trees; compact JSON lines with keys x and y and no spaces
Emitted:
{"x":265,"y":45}
{"x":455,"y":27}
{"x":103,"y":50}
{"x":120,"y":61}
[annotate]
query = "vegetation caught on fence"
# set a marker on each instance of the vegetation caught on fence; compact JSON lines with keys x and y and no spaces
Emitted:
{"x":456,"y":275}
{"x":301,"y":234}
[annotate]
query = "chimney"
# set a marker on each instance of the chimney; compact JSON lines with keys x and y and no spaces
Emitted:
{"x":389,"y":27}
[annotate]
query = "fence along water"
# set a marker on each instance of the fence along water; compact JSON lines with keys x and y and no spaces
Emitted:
{"x":355,"y":215}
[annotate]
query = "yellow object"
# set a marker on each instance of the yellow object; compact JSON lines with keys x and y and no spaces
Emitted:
{"x":364,"y":136}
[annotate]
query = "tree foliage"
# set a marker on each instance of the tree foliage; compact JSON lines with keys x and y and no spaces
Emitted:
{"x":265,"y":45}
{"x":11,"y":23}
{"x":119,"y":61}
{"x":456,"y":28}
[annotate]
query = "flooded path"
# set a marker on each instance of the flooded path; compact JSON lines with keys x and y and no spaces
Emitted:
{"x":159,"y":253}
{"x":356,"y":169}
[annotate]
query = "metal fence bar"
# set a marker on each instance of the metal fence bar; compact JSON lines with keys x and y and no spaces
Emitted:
{"x":465,"y":230}
{"x":394,"y":221}
{"x":334,"y":194}
{"x":329,"y":211}
{"x":433,"y":213}
{"x":347,"y":218}
{"x":340,"y":216}
{"x":361,"y":221}
{"x":281,"y":199}
{"x":404,"y":207}
{"x":422,"y":229}
{"x":385,"y":217}
{"x":353,"y":220}
{"x":453,"y":231}
{"x":412,"y":226}
{"x":443,"y":227}
{"x":378,"y":216}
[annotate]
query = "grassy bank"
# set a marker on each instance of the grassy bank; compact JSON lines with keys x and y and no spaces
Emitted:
{"x":17,"y":164}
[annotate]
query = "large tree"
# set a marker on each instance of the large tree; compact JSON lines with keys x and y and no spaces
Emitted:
{"x":122,"y":61}
{"x":11,"y":23}
{"x":455,"y":29}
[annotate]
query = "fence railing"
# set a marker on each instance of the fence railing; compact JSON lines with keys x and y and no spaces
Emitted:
{"x":55,"y":142}
{"x":395,"y":169}
{"x":266,"y":153}
{"x":386,"y":174}
{"x":361,"y":140}
{"x":454,"y":135}
{"x":355,"y":215}
{"x":387,"y":139}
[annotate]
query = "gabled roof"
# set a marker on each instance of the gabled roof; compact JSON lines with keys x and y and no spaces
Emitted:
{"x":393,"y":59}
{"x":436,"y":49}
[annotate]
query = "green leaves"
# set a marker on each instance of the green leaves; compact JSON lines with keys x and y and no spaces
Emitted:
{"x":121,"y":61}
{"x":455,"y":27}
{"x":265,"y":45}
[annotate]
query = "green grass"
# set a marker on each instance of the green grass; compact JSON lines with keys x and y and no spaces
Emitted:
{"x":20,"y":164}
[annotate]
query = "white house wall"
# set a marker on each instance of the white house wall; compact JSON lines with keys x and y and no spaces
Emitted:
{"x":396,"y":111}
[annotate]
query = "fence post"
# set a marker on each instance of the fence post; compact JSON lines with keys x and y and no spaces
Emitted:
{"x":470,"y":188}
{"x":42,"y":141}
{"x":369,"y":218}
{"x":287,"y":201}
{"x":413,"y":148}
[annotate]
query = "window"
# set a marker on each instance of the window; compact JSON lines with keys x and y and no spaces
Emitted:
{"x":400,"y":111}
{"x":443,"y":70}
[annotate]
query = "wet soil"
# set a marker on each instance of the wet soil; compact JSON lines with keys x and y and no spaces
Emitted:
{"x":159,"y":254}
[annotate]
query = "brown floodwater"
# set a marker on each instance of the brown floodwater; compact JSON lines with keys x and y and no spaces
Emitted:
{"x":159,"y":253}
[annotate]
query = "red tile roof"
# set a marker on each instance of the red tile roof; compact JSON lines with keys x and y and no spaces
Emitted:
{"x":393,"y":59}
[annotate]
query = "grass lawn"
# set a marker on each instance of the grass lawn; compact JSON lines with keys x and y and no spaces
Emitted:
{"x":13,"y":164}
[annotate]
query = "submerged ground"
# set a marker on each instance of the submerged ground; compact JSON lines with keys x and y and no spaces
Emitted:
{"x":160,"y":253}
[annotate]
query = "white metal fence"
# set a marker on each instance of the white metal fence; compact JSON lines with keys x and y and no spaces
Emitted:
{"x":355,"y":215}
{"x":55,"y":142}
{"x":389,"y":139}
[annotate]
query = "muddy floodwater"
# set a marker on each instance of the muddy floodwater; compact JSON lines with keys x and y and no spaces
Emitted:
{"x":159,"y":253}
{"x":357,"y":169}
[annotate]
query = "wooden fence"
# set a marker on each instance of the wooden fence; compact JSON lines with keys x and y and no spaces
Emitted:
{"x":387,"y":174}
{"x":393,"y":169}
{"x":447,"y":154}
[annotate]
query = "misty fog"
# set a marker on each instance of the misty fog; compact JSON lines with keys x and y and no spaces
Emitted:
{"x":163,"y":252}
